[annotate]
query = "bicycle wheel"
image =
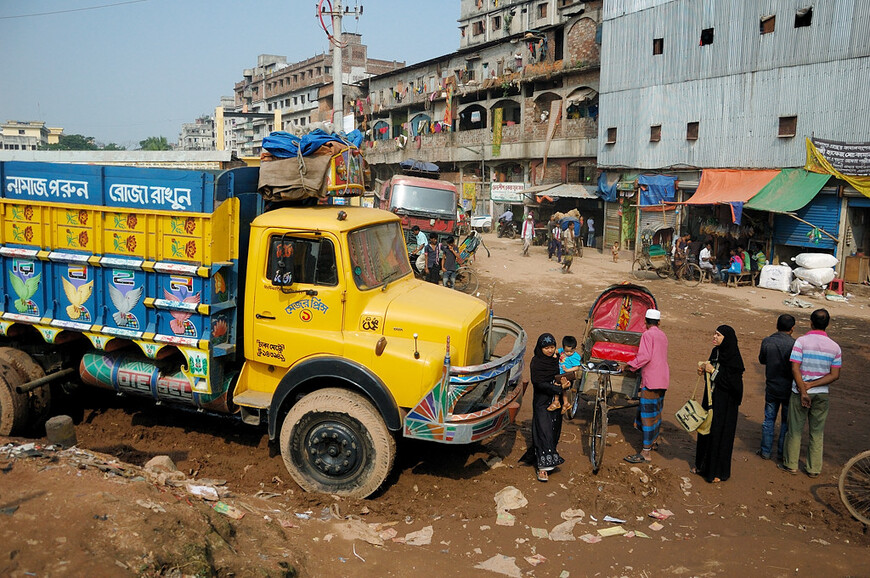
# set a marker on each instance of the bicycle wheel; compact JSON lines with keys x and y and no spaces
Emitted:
{"x":690,"y":275}
{"x":466,"y":280}
{"x":855,"y":487}
{"x":598,"y":434}
{"x":664,"y":272}
{"x":574,"y":408}
{"x":638,"y":268}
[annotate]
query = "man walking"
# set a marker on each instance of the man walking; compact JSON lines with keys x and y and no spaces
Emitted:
{"x":652,"y":361}
{"x":774,"y":356}
{"x":528,"y":233}
{"x":419,"y":246}
{"x":815,"y":362}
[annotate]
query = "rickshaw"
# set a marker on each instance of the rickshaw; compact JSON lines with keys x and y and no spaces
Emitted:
{"x":613,"y":328}
{"x":655,"y":258}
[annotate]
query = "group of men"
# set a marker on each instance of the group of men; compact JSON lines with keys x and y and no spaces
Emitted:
{"x":797,"y":375}
{"x":437,"y":263}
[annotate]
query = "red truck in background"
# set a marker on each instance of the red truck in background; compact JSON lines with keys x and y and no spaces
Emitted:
{"x":419,"y":198}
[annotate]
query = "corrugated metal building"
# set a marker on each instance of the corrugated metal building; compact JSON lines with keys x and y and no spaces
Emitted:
{"x":736,"y":87}
{"x":689,"y":85}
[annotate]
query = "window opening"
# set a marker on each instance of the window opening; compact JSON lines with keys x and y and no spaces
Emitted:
{"x":658,"y":45}
{"x":803,"y":17}
{"x":706,"y":37}
{"x":692,"y":130}
{"x":655,"y":133}
{"x":611,"y":135}
{"x":768,"y":24}
{"x":787,"y":126}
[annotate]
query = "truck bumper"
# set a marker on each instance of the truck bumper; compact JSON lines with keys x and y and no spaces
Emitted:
{"x":475,"y":402}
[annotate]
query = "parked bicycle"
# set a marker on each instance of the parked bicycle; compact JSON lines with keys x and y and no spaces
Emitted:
{"x":654,"y":258}
{"x":855,"y":486}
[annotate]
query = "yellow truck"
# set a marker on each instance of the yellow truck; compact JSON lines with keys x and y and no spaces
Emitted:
{"x":175,"y":285}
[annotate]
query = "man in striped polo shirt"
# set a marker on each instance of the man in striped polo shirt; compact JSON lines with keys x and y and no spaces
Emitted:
{"x":815,"y":361}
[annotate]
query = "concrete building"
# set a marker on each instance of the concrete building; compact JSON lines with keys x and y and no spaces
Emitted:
{"x":689,"y":90}
{"x":512,"y":113}
{"x":27,"y":136}
{"x":300,"y":92}
{"x":198,"y":135}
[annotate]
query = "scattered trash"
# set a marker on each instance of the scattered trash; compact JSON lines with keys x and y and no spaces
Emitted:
{"x":643,"y":477}
{"x":484,"y":528}
{"x":8,"y":511}
{"x":505,"y":519}
{"x":509,"y":498}
{"x":227,"y":510}
{"x":613,"y":520}
{"x":420,"y":537}
{"x":540,"y":533}
{"x":573,"y":513}
{"x":611,"y":531}
{"x":357,"y":555}
{"x":204,"y":492}
{"x":358,"y":530}
{"x":501,"y":564}
{"x":153,"y":506}
{"x":160,"y":464}
{"x":535,"y":560}
{"x":640,"y":534}
{"x":591,"y":538}
{"x":328,"y":537}
{"x":564,"y":574}
{"x":661,"y":514}
{"x":287,"y":523}
{"x":795,"y":302}
{"x":564,"y":532}
{"x":388,"y":534}
{"x":655,"y":526}
{"x":820,"y":541}
{"x":266,"y":495}
{"x":494,"y":462}
{"x":303,"y":515}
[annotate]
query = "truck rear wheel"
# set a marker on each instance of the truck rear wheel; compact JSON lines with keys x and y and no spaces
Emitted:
{"x":38,"y":400}
{"x":334,"y":441}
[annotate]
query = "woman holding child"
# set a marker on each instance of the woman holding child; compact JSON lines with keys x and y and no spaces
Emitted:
{"x":546,"y":424}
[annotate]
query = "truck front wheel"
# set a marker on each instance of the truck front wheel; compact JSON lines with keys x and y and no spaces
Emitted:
{"x":334,"y":441}
{"x":20,"y":410}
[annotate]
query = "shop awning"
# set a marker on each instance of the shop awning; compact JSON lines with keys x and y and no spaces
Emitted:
{"x":790,"y":190}
{"x":573,"y":192}
{"x":537,"y":189}
{"x":730,"y":185}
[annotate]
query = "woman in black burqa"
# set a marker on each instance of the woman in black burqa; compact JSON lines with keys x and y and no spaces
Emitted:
{"x":725,"y":366}
{"x":546,"y":425}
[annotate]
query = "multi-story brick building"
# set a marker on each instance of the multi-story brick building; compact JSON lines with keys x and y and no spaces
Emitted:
{"x":198,"y":135}
{"x":514,"y":109}
{"x":300,"y":92}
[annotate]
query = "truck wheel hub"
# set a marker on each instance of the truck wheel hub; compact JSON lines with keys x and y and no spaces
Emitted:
{"x":333,"y":449}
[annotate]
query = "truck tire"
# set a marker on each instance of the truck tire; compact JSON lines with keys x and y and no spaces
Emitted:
{"x":37,"y":402}
{"x":334,"y":441}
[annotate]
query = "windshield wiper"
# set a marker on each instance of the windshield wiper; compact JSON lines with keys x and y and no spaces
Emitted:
{"x":396,"y":274}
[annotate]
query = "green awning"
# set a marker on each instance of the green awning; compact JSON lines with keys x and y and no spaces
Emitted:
{"x":790,"y":190}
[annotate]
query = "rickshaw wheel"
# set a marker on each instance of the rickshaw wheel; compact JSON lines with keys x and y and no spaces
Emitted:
{"x":598,"y":435}
{"x":638,"y":267}
{"x":663,"y":272}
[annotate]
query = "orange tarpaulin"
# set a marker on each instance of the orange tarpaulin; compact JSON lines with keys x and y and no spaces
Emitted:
{"x":730,"y":186}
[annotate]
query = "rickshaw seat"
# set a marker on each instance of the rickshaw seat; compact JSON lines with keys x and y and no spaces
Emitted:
{"x":614,"y":351}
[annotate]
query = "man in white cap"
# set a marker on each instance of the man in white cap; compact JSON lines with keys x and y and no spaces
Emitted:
{"x":528,"y":233}
{"x":652,"y":361}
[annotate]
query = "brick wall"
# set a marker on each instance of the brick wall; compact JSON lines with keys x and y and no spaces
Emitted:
{"x":580,"y":46}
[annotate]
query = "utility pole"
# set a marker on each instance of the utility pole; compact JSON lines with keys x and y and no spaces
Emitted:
{"x":335,"y":11}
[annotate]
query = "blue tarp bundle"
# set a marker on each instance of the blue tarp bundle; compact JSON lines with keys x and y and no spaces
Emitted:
{"x":419,"y":166}
{"x":566,"y":222}
{"x":656,"y":188}
{"x":283,"y":144}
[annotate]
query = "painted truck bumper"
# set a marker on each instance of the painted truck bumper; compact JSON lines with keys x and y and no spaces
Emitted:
{"x":473,"y":403}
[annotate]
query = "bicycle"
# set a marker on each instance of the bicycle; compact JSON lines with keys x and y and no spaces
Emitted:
{"x":855,"y":487}
{"x":598,"y":425}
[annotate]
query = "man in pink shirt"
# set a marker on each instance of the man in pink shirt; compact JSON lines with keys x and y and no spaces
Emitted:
{"x":652,"y":362}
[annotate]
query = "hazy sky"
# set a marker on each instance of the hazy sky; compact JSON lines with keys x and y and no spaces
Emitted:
{"x":138,"y":68}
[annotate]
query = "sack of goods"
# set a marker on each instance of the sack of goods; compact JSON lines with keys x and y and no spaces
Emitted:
{"x":815,"y":268}
{"x":777,"y":277}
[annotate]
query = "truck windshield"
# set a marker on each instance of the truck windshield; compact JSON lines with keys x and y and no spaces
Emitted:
{"x":435,"y":202}
{"x":378,"y":255}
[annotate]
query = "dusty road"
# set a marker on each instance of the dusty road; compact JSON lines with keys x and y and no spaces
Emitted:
{"x":79,"y":514}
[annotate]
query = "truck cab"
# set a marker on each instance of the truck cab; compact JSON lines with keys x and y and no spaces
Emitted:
{"x":428,"y":203}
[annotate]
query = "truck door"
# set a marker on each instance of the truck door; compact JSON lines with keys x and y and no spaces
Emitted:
{"x":298,"y":308}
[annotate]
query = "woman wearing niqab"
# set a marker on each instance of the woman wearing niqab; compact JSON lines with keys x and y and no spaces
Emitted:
{"x":725,"y":366}
{"x":546,"y":425}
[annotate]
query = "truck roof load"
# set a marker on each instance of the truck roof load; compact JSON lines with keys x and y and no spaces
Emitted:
{"x":414,"y":167}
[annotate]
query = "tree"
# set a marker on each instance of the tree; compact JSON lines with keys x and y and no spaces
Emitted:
{"x":155,"y":143}
{"x":113,"y":147}
{"x":73,"y":142}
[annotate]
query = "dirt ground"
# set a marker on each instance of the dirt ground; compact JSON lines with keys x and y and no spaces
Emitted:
{"x":93,"y":511}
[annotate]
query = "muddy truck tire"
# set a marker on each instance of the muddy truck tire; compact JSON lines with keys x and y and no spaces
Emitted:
{"x":18,"y":411}
{"x":334,"y":441}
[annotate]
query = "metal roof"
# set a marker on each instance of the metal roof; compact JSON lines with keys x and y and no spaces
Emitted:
{"x":573,"y":191}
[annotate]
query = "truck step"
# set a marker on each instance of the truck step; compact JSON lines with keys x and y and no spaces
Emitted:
{"x":251,"y":398}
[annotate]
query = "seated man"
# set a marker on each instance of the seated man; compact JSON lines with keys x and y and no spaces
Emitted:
{"x":705,"y":258}
{"x":506,"y":216}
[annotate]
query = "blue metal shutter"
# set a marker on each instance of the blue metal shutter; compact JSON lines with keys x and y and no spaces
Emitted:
{"x":823,"y":212}
{"x":859,"y":202}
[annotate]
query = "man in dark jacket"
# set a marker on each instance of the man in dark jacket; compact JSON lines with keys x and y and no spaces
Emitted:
{"x":774,"y":355}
